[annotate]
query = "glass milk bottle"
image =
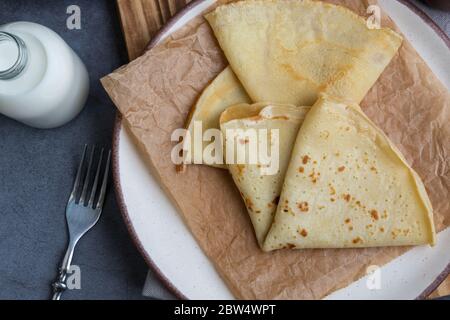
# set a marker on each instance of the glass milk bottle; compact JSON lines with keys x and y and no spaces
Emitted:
{"x":43,"y":83}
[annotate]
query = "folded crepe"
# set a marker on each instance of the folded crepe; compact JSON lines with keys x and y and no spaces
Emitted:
{"x":289,"y":51}
{"x":260,"y":187}
{"x":348,"y":186}
{"x":225,"y":90}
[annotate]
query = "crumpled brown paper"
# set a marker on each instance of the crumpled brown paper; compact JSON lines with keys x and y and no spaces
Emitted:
{"x":155,"y":93}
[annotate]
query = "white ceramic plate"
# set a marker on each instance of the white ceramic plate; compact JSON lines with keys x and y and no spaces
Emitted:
{"x":154,"y":223}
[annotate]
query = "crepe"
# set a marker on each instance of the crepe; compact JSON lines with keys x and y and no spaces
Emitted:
{"x":225,"y":90}
{"x":261,"y":188}
{"x":348,"y":186}
{"x":290,"y":51}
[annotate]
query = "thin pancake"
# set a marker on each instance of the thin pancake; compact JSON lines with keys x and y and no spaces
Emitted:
{"x":259,"y":190}
{"x":348,"y":186}
{"x":224,"y":91}
{"x":290,"y":51}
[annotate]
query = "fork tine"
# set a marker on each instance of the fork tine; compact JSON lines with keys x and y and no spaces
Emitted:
{"x":94,"y":185}
{"x":76,"y":183}
{"x":101,"y":197}
{"x":86,"y":179}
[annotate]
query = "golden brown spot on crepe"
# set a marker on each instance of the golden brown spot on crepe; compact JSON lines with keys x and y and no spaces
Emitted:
{"x":286,"y":210}
{"x":290,"y":246}
{"x":249,"y":203}
{"x":305,"y":159}
{"x":324,"y":134}
{"x":303,"y":206}
{"x":369,"y":226}
{"x":359,"y":204}
{"x":381,"y":229}
{"x":357,"y":240}
{"x":270,"y":205}
{"x":347,"y":220}
{"x":332,"y":199}
{"x":341,"y":169}
{"x":301,"y":169}
{"x":346,"y":197}
{"x":395,"y":233}
{"x":374,"y":214}
{"x":244,"y":141}
{"x":314,"y":176}
{"x":303,"y":233}
{"x":337,"y":154}
{"x":347,"y":129}
{"x":240,"y":168}
{"x":280,"y":118}
{"x":374,"y":169}
{"x":332,"y":190}
{"x":314,"y":162}
{"x":385,"y":214}
{"x":258,"y":211}
{"x":321,"y":207}
{"x":405,"y":232}
{"x":350,"y":228}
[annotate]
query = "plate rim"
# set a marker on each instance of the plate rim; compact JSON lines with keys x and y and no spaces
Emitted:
{"x":116,"y":168}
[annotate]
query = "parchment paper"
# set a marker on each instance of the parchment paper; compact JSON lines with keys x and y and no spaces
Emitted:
{"x":155,"y":93}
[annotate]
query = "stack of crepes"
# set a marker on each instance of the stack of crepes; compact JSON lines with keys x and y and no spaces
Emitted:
{"x":302,"y":68}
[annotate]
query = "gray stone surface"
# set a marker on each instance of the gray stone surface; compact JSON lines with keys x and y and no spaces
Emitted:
{"x":441,"y":17}
{"x":37,"y":168}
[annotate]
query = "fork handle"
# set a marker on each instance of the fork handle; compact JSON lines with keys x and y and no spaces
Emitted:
{"x":59,"y":286}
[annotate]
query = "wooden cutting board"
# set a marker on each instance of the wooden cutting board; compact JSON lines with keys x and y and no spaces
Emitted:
{"x":141,"y":19}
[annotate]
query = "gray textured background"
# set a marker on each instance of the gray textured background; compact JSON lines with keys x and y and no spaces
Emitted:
{"x":37,"y":167}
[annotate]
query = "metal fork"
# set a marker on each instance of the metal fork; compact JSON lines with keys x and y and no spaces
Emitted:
{"x":82,"y":210}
